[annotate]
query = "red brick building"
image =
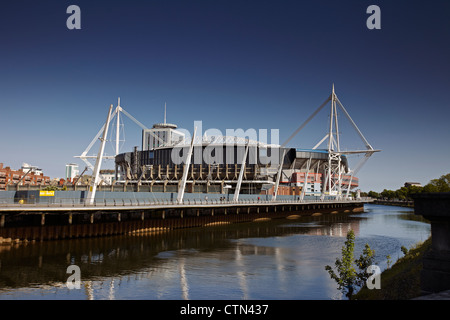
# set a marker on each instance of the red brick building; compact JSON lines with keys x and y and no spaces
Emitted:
{"x":298,"y":178}
{"x":314,"y":184}
{"x":12,"y":177}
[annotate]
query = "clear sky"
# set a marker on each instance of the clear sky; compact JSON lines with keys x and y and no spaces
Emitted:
{"x":231,"y":64}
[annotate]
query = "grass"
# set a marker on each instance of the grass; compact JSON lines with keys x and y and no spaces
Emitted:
{"x":402,"y":280}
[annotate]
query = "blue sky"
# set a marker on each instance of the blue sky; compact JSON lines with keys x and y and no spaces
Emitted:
{"x":231,"y":64}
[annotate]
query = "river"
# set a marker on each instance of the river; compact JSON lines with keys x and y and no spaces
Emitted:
{"x":273,"y":260}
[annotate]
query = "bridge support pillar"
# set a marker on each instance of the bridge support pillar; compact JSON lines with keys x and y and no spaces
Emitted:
{"x":435,"y":207}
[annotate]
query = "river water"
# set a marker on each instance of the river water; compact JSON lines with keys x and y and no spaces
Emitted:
{"x":273,"y":260}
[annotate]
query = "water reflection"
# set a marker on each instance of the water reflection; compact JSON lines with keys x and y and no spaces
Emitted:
{"x":279,"y":259}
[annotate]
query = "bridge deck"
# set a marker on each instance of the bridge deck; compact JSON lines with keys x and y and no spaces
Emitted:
{"x":142,"y":205}
{"x":28,"y":222}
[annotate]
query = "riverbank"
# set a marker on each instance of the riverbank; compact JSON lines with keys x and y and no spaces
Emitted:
{"x":402,"y":280}
{"x":407,"y":204}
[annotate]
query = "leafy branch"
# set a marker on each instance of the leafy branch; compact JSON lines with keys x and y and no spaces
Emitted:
{"x":346,"y":276}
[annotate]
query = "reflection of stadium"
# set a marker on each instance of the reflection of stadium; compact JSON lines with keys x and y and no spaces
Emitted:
{"x":336,"y":229}
{"x":105,"y":261}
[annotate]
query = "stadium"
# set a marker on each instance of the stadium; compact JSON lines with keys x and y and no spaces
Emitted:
{"x":169,"y":161}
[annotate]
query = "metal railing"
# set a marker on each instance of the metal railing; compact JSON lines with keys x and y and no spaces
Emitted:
{"x":67,"y":203}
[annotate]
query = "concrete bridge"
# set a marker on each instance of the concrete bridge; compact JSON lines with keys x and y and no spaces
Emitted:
{"x":50,"y":221}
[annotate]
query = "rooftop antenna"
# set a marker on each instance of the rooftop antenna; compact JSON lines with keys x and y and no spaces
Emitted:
{"x":165,"y":110}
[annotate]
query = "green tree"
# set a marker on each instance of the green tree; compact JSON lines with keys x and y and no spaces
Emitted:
{"x":373,"y":194}
{"x":430,"y":188}
{"x":414,"y":189}
{"x":389,"y":194}
{"x":401,"y":193}
{"x":346,"y":275}
{"x":389,"y":261}
{"x":441,"y":184}
{"x":365,"y":260}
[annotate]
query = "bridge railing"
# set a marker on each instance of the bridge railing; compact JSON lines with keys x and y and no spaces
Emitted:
{"x":111,"y":202}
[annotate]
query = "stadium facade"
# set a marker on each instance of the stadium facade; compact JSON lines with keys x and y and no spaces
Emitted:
{"x":217,"y":161}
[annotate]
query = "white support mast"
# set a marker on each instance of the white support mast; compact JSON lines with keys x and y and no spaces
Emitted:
{"x":241,"y":175}
{"x":93,"y":187}
{"x":334,"y":168}
{"x":85,"y":157}
{"x":324,"y":187}
{"x":305,"y":183}
{"x":118,"y":127}
{"x":330,"y":142}
{"x":186,"y":170}
{"x":165,"y":112}
{"x":277,"y":184}
{"x":338,"y":149}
